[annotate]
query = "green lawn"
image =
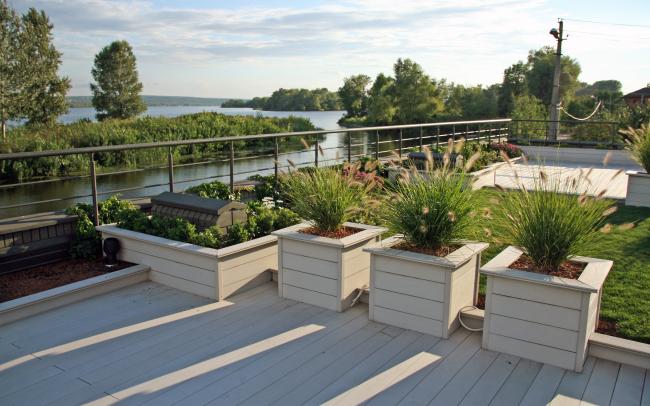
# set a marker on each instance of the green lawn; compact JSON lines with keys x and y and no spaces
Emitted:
{"x":626,"y":296}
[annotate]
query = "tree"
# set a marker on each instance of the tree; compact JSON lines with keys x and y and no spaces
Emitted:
{"x":528,"y":107}
{"x":416,"y":95}
{"x":539,"y":77}
{"x":354,"y":95}
{"x":381,"y":103}
{"x":11,"y":66}
{"x":117,"y":91}
{"x":513,"y":85}
{"x":44,"y":93}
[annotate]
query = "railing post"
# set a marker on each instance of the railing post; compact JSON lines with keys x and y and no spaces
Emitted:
{"x":377,"y":146}
{"x":349,"y":147}
{"x":490,"y":134}
{"x":438,"y":139}
{"x":467,"y":132}
{"x":232,"y":167}
{"x":421,"y":139}
{"x":453,"y":133}
{"x":399,"y":145}
{"x":170,"y":162}
{"x":276,"y":159}
{"x":316,"y":152}
{"x":93,"y":180}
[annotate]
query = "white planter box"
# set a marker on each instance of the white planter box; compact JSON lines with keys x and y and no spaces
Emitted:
{"x":322,"y":271}
{"x":638,"y":189}
{"x":212,"y":273}
{"x":422,"y":292}
{"x":541,"y":317}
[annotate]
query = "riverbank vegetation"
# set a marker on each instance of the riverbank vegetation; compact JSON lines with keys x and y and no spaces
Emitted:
{"x":139,"y":130}
{"x":292,"y":100}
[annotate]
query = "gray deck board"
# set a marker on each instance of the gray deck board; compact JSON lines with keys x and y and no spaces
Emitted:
{"x":149,"y":344}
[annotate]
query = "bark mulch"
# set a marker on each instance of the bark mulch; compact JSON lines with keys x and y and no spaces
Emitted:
{"x":22,"y":283}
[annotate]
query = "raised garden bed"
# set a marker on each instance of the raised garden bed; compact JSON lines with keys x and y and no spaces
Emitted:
{"x":419,"y":291}
{"x":542,"y":317}
{"x":27,"y":282}
{"x":207,"y":272}
{"x":322,"y":271}
{"x":638,"y":189}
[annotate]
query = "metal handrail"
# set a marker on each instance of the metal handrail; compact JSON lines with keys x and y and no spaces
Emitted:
{"x":237,"y":138}
{"x":459,"y":129}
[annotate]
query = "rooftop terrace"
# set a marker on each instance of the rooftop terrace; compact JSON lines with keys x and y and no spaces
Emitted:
{"x":151,"y":344}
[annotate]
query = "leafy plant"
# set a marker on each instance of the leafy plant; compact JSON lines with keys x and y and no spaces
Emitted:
{"x":211,"y":237}
{"x":326,"y":197}
{"x":212,"y":190}
{"x":86,"y":242}
{"x":638,"y":142}
{"x":553,"y":220}
{"x":431,"y":210}
{"x":237,"y":233}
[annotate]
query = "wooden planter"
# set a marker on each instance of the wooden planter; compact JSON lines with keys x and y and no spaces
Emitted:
{"x":422,"y":292}
{"x":322,"y":271}
{"x":212,"y":273}
{"x":638,"y":189}
{"x":540,"y":317}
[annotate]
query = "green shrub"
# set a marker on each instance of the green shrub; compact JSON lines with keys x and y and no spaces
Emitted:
{"x":237,"y":233}
{"x":284,"y":218}
{"x":86,"y":242}
{"x":552,"y":221}
{"x":212,"y":190}
{"x":638,"y":142}
{"x":431,"y":210}
{"x":110,"y":209}
{"x":325,"y":197}
{"x":210,"y":237}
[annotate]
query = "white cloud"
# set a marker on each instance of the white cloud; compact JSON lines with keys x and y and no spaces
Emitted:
{"x":468,"y":41}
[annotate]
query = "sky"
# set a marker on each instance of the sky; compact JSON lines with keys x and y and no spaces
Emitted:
{"x":250,"y":48}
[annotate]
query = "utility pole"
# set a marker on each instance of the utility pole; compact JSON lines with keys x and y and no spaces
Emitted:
{"x":554,"y":127}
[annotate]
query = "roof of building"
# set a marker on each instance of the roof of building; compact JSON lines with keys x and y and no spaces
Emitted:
{"x":644,"y":91}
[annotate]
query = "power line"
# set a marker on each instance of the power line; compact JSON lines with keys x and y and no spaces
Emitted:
{"x":606,"y":23}
{"x":609,"y":36}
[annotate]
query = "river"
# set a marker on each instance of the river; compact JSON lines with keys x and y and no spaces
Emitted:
{"x":76,"y":187}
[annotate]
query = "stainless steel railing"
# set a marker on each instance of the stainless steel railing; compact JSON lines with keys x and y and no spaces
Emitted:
{"x":425,"y":134}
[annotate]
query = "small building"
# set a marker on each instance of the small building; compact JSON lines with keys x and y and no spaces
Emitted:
{"x":638,"y":97}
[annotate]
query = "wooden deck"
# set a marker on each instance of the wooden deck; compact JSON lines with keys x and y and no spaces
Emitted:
{"x":149,"y":344}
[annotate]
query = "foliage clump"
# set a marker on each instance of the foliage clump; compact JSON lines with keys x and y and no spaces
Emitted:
{"x":212,"y":190}
{"x":554,"y":219}
{"x":263,"y":218}
{"x":86,"y":242}
{"x":327,"y":197}
{"x":432,"y":208}
{"x":638,"y":142}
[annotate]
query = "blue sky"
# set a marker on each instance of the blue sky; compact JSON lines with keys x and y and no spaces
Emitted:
{"x":250,"y":48}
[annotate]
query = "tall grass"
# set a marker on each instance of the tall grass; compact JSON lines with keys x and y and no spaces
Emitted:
{"x":326,"y":197}
{"x":432,"y":208}
{"x":552,"y":221}
{"x":638,"y":142}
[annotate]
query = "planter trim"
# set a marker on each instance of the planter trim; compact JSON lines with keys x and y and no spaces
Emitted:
{"x":293,"y":233}
{"x":163,"y":242}
{"x":642,"y":174}
{"x":73,"y":292}
{"x":451,"y":261}
{"x":591,"y":279}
